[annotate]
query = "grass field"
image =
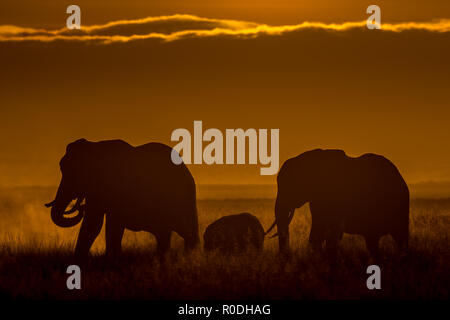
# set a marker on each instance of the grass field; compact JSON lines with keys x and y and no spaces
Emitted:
{"x":34,"y":255}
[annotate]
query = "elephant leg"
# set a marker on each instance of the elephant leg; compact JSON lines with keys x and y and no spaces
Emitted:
{"x":242,"y":243}
{"x":400,"y":233}
{"x":372,"y":245}
{"x":283,"y":235}
{"x":163,"y":242}
{"x":191,"y":241}
{"x":90,"y":229}
{"x":316,"y":236}
{"x":283,"y":215}
{"x":188,"y":230}
{"x":257,"y":240}
{"x":113,"y":233}
{"x":401,"y":239}
{"x":333,"y":238}
{"x":318,"y":226}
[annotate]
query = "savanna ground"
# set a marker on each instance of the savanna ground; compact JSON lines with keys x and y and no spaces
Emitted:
{"x":34,"y":255}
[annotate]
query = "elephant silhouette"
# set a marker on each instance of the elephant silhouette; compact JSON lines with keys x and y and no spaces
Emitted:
{"x":138,"y":188}
{"x":365,"y":195}
{"x":234,"y":233}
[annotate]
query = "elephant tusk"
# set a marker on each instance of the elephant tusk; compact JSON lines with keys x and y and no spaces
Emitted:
{"x":290,"y":217}
{"x":74,"y":209}
{"x":50,"y":204}
{"x":77,"y":207}
{"x":59,"y":215}
{"x":271,"y":227}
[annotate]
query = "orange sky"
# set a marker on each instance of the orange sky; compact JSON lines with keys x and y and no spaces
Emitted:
{"x":47,"y":13}
{"x":358,"y":90}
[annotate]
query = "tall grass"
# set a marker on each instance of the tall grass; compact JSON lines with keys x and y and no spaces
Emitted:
{"x":34,"y":255}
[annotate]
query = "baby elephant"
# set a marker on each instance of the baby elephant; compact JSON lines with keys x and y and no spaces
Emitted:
{"x":234,"y":233}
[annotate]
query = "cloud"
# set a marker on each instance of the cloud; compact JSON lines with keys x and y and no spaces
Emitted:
{"x":176,"y":27}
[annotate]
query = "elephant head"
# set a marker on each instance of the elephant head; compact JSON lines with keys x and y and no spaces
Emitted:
{"x":75,"y":168}
{"x":301,"y":180}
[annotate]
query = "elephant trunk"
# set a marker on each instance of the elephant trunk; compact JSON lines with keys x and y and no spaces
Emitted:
{"x":291,"y":216}
{"x":58,"y":211}
{"x":283,"y":217}
{"x":58,"y":215}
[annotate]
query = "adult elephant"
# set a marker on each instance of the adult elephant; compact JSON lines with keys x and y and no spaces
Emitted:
{"x":364,"y":195}
{"x":138,"y":188}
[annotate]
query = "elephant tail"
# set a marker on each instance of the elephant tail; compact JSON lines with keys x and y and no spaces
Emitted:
{"x":290,"y":217}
